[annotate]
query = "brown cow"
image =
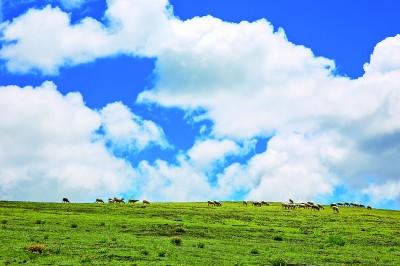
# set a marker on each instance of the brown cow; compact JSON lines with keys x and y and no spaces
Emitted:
{"x":210,"y":203}
{"x":133,"y":201}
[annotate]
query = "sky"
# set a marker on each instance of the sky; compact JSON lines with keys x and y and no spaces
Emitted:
{"x":197,"y":100}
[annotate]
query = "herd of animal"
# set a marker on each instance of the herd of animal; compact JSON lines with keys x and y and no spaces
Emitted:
{"x":113,"y":200}
{"x":291,"y":205}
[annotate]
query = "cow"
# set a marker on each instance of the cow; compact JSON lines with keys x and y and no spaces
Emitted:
{"x":146,"y":202}
{"x":110,"y":200}
{"x":209,"y":203}
{"x":217,"y":203}
{"x":244,"y":203}
{"x":264,"y":203}
{"x":369,"y":207}
{"x":133,"y":201}
{"x":65,"y":200}
{"x":99,"y":201}
{"x":256,"y":204}
{"x":117,"y":200}
{"x":335,"y":209}
{"x":291,"y":201}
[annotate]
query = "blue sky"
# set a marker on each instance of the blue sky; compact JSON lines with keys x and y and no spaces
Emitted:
{"x":184,"y":100}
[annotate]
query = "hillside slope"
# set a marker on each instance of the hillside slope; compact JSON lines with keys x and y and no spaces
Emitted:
{"x":195,"y":234}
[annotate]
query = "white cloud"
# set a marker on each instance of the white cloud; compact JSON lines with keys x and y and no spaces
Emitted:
{"x":49,"y":147}
{"x":205,"y":153}
{"x":249,"y":80}
{"x":127,"y":130}
{"x":383,"y":192}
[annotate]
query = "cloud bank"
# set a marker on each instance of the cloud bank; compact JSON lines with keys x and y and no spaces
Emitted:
{"x":249,"y":80}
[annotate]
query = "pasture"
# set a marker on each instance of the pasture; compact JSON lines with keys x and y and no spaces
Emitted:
{"x":195,"y":234}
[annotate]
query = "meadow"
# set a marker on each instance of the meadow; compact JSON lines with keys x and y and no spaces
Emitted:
{"x":195,"y":234}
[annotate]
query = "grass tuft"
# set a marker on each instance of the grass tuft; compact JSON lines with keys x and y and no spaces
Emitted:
{"x":336,"y":240}
{"x":278,"y":238}
{"x":279,"y":262}
{"x":176,"y":241}
{"x":254,"y":251}
{"x":200,"y":245}
{"x":36,"y":248}
{"x":74,"y":226}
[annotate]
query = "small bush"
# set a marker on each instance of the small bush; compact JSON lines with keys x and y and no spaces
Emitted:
{"x":4,"y":221}
{"x":279,"y":262}
{"x":200,"y":245}
{"x":336,"y":240}
{"x":176,"y":241}
{"x":278,"y":238}
{"x":254,"y":251}
{"x":74,"y":226}
{"x":161,"y":253}
{"x":36,"y":248}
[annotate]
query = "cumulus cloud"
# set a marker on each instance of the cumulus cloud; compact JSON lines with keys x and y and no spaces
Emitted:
{"x":249,"y":80}
{"x":49,"y":147}
{"x":126,"y":130}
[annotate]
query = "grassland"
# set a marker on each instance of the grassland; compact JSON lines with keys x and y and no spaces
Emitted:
{"x":195,"y":234}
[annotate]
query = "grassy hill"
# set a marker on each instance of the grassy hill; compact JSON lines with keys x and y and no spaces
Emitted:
{"x":195,"y":234}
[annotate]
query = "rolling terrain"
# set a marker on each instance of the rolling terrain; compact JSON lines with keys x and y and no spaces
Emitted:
{"x":195,"y":234}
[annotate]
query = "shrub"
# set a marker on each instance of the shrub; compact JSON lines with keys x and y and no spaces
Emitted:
{"x":336,"y":240}
{"x":176,"y":240}
{"x":254,"y":251}
{"x":161,"y":253}
{"x":200,"y":245}
{"x":74,"y":226}
{"x":278,"y":238}
{"x":36,"y":248}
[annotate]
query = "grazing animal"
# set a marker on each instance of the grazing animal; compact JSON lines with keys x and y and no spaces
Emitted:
{"x":110,"y":200}
{"x":146,"y":202}
{"x":291,"y":201}
{"x":117,"y":200}
{"x":335,"y":209}
{"x":333,"y":204}
{"x":99,"y":201}
{"x":217,"y":203}
{"x":315,"y":207}
{"x":256,"y":203}
{"x":244,"y":203}
{"x":133,"y":201}
{"x":210,"y":203}
{"x":65,"y":200}
{"x":320,"y":206}
{"x":264,"y":203}
{"x":369,"y":207}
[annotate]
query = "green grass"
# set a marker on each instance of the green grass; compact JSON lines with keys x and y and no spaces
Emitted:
{"x":195,"y":234}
